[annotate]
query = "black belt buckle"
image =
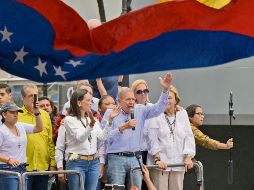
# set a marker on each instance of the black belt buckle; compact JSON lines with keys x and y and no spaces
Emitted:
{"x":128,"y":154}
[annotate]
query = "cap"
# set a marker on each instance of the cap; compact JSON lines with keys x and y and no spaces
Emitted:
{"x":10,"y":106}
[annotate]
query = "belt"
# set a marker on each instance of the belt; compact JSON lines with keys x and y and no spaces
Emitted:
{"x":84,"y":157}
{"x":128,"y":154}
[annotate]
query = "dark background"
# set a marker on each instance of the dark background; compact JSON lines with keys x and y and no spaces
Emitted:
{"x":215,"y":162}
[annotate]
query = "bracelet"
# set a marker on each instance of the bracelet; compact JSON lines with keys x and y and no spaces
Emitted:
{"x":8,"y":160}
{"x":36,"y":114}
{"x":120,"y":83}
{"x":120,"y":130}
{"x":155,"y":161}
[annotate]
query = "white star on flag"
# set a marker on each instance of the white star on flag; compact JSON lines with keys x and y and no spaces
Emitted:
{"x":41,"y":67}
{"x":6,"y":34}
{"x":59,"y":72}
{"x":20,"y":55}
{"x":73,"y":63}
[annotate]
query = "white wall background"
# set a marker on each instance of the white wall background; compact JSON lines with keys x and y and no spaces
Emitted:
{"x":88,"y":9}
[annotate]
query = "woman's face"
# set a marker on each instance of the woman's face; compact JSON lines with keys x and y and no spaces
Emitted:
{"x":11,"y":117}
{"x":172,"y":100}
{"x":107,"y":103}
{"x":86,"y":103}
{"x":198,"y":117}
{"x":141,"y":94}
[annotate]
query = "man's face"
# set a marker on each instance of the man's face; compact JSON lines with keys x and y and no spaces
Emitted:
{"x":4,"y":96}
{"x":45,"y":105}
{"x":127,"y":101}
{"x":28,"y":99}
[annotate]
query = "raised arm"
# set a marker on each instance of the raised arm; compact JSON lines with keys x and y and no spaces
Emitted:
{"x":104,"y":133}
{"x":101,"y":87}
{"x":38,"y":121}
{"x":159,"y":107}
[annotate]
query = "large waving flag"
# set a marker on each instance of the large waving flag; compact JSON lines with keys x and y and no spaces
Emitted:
{"x":54,"y":44}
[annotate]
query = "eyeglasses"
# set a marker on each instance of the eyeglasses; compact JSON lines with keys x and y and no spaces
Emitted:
{"x":145,"y":91}
{"x":200,"y":114}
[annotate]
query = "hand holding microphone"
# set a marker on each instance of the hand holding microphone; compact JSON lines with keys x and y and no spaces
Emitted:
{"x":132,"y":116}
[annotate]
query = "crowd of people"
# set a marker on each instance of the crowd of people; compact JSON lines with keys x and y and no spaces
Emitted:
{"x":102,"y":137}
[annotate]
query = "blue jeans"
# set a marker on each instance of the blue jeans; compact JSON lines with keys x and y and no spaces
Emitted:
{"x":89,"y":171}
{"x":37,"y":182}
{"x":119,"y":168}
{"x":10,"y":182}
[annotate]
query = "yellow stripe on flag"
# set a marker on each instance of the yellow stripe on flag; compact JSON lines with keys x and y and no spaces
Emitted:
{"x":161,"y":1}
{"x":216,"y":4}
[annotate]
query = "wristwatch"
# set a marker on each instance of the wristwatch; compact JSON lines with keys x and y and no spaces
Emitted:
{"x":120,"y":83}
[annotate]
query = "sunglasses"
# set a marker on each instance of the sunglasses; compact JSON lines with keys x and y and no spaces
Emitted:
{"x":145,"y":91}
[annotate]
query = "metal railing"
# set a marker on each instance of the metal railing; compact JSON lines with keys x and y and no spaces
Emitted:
{"x":197,"y":165}
{"x":5,"y":172}
{"x":81,"y":182}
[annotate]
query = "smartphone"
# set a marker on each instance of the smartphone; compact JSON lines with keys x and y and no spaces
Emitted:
{"x":35,"y":100}
{"x":114,"y":186}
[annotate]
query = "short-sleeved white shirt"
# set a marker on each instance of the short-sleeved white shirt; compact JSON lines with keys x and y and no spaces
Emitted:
{"x":15,"y":146}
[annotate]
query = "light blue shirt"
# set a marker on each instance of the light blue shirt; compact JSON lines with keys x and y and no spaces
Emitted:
{"x":131,"y":140}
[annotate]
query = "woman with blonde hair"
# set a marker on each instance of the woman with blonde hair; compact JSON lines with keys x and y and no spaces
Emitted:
{"x":171,"y":141}
{"x":140,"y":89}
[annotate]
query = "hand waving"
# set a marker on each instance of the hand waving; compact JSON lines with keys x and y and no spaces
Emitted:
{"x":92,"y":120}
{"x":114,"y":113}
{"x":166,"y":81}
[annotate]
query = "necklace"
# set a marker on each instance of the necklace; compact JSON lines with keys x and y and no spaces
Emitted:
{"x":89,"y":137}
{"x":171,"y":126}
{"x":18,"y":135}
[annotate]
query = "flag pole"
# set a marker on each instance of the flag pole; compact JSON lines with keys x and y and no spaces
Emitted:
{"x":101,"y":10}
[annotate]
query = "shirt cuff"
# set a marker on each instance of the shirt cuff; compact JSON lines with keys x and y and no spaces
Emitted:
{"x":60,"y":164}
{"x":102,"y":160}
{"x":52,"y":163}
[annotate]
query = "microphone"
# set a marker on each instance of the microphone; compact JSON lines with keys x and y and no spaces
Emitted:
{"x":132,"y":116}
{"x":230,"y":161}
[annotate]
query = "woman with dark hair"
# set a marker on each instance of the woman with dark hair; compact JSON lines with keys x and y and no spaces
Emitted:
{"x":82,"y":133}
{"x":13,"y":142}
{"x":106,"y":102}
{"x":196,"y":117}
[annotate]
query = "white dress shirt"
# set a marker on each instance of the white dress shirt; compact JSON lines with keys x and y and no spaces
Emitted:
{"x":73,"y":138}
{"x":172,"y":148}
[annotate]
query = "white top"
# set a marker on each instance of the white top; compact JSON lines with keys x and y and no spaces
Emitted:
{"x":73,"y":138}
{"x":60,"y":147}
{"x":172,"y":150}
{"x":1,"y":120}
{"x":145,"y":131}
{"x":15,"y":146}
